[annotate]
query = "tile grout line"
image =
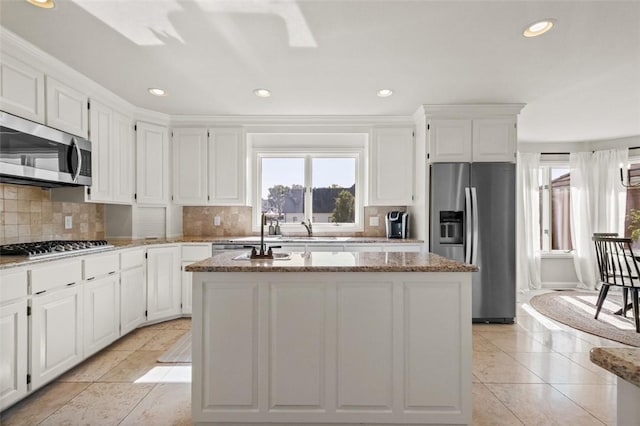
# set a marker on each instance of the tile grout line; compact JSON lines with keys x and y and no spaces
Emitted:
{"x":139,"y":402}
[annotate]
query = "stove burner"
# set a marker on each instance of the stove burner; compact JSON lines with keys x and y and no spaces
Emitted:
{"x":38,"y":249}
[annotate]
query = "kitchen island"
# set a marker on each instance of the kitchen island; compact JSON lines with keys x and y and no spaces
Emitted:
{"x":332,"y":338}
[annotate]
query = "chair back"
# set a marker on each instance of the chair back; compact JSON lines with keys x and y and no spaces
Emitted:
{"x":617,"y":263}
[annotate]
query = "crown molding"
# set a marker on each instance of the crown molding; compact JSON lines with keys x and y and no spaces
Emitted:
{"x":265,"y":121}
{"x":470,"y":110}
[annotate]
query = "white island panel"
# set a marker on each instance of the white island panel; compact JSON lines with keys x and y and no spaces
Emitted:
{"x":297,"y":336}
{"x":436,"y":367}
{"x":364,"y":372}
{"x":332,"y":348}
{"x":230,"y":357}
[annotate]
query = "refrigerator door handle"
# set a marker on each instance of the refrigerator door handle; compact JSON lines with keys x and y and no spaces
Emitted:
{"x":474,"y":208}
{"x":467,"y":212}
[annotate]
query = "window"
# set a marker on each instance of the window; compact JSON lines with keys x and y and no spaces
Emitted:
{"x":321,"y":187}
{"x":633,"y":196}
{"x":555,"y":208}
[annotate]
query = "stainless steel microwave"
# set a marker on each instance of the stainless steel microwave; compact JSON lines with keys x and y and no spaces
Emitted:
{"x":34,"y":154}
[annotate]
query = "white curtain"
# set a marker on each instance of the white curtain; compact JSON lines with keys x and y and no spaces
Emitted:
{"x":610,"y":197}
{"x":598,"y":203}
{"x":528,"y":221}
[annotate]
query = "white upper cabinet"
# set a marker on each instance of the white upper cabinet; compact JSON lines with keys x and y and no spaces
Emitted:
{"x":391,"y":180}
{"x":21,"y":89}
{"x":101,"y":136}
{"x":190,"y":166}
{"x":472,"y":133}
{"x":67,"y":108}
{"x":209,"y":166}
{"x":450,"y":140}
{"x":152,"y":160}
{"x":122,"y":155}
{"x":494,"y":139}
{"x":227,"y":166}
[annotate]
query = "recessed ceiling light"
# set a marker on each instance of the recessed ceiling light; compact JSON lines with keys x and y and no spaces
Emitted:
{"x":45,"y":4}
{"x":157,"y":92}
{"x":262,"y":93}
{"x":538,"y":27}
{"x":385,"y":93}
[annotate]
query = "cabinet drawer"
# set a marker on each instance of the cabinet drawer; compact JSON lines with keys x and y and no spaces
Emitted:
{"x":131,"y":258}
{"x":55,"y":274}
{"x":13,"y":285}
{"x":196,"y":252}
{"x":95,"y":266}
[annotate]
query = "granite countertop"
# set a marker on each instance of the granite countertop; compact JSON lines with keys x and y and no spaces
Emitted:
{"x":623,"y":362}
{"x":334,"y":262}
{"x":121,"y":243}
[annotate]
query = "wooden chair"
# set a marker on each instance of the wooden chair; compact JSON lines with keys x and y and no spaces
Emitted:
{"x":619,"y":267}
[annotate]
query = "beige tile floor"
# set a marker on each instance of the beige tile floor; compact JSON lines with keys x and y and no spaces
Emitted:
{"x":535,"y":372}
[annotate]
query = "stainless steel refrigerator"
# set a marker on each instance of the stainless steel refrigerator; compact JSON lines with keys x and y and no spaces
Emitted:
{"x":473,"y":216}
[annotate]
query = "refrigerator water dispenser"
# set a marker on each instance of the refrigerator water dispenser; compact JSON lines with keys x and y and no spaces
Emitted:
{"x":451,"y":227}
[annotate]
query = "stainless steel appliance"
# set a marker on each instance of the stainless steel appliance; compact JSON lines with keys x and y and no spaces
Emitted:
{"x":397,"y":224}
{"x":55,"y":248}
{"x":473,"y":221}
{"x":33,"y":154}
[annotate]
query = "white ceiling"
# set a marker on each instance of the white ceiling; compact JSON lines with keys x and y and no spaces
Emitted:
{"x":581,"y":81}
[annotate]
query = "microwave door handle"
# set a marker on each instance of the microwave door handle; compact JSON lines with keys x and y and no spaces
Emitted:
{"x":467,"y":214}
{"x":79,"y":155}
{"x":474,"y":201}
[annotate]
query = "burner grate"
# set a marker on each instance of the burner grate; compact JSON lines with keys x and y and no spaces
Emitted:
{"x":52,"y":248}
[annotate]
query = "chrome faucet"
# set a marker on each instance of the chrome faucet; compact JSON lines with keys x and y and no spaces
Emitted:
{"x":307,"y":225}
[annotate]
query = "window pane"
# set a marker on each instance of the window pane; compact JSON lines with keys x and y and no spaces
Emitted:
{"x":633,"y":204}
{"x":560,"y":209}
{"x":334,"y":190}
{"x":282,"y":188}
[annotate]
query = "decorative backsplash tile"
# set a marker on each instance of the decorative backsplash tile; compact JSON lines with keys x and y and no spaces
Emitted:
{"x":235,"y":221}
{"x":199,"y":221}
{"x":28,"y":214}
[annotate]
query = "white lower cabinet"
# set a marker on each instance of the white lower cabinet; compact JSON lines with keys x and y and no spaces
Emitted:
{"x":133,"y":299}
{"x":163,"y":282}
{"x":101,"y":313}
{"x":191,"y":253}
{"x":133,"y":289}
{"x":13,"y":353}
{"x":187,"y":280}
{"x":56,"y":333}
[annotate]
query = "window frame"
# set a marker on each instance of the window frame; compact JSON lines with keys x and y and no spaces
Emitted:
{"x":546,"y":164}
{"x":358,"y":153}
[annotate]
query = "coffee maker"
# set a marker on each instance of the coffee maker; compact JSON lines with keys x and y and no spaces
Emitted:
{"x":397,"y":224}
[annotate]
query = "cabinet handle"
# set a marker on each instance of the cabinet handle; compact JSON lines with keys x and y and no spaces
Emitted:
{"x":70,"y":284}
{"x":88,"y":279}
{"x":112,"y":272}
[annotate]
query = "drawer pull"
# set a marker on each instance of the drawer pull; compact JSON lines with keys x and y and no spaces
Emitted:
{"x":88,"y":279}
{"x":40,"y":292}
{"x":112,"y":272}
{"x":70,"y":284}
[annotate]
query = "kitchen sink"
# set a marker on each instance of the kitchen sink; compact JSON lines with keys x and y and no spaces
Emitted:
{"x":276,"y":256}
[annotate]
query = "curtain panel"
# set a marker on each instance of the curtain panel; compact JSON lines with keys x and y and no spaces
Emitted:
{"x":528,"y":222}
{"x":598,"y":203}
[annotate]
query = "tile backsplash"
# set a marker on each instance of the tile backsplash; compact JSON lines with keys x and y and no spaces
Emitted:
{"x":235,"y":221}
{"x":199,"y":221}
{"x":28,"y":214}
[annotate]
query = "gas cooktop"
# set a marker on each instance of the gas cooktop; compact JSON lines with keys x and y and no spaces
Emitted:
{"x":41,"y":249}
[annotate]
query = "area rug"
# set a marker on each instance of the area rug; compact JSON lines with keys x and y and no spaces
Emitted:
{"x":576,"y":309}
{"x":180,"y":352}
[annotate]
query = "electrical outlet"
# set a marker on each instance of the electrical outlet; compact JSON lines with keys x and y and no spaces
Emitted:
{"x":68,"y":222}
{"x":216,"y":221}
{"x":374,"y":221}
